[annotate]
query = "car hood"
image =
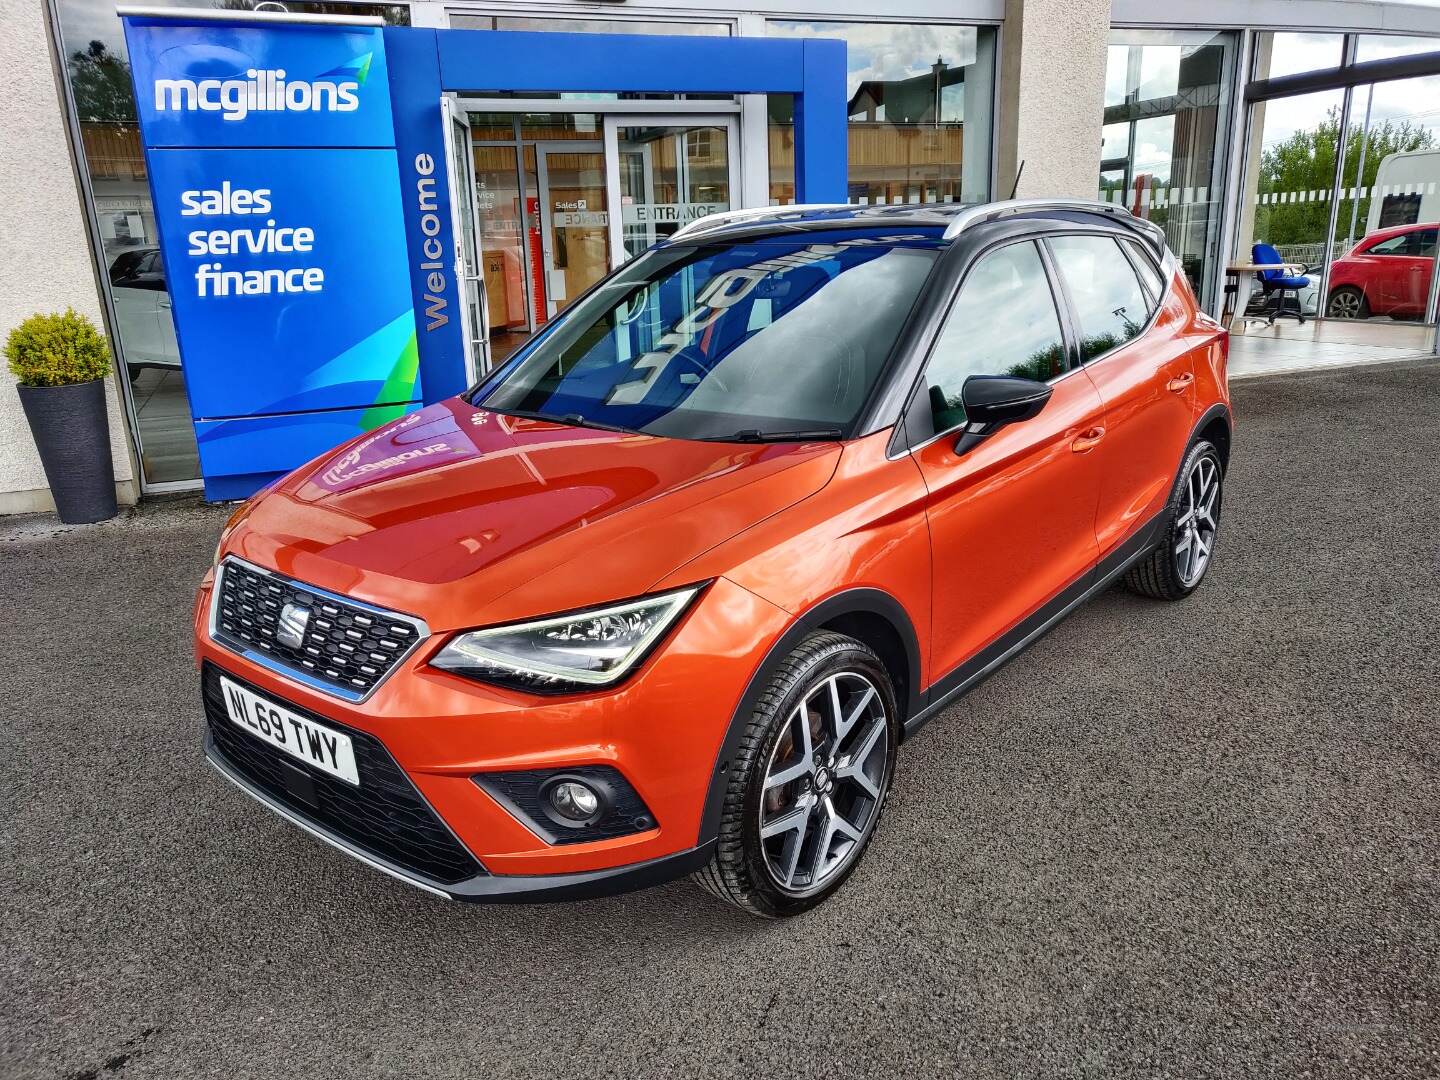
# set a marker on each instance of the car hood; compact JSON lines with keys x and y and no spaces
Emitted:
{"x":464,"y":516}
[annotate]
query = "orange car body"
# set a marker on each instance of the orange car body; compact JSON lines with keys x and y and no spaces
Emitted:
{"x":463,"y":517}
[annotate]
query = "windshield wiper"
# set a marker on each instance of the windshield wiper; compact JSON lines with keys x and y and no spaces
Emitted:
{"x":755,"y":435}
{"x":573,"y":419}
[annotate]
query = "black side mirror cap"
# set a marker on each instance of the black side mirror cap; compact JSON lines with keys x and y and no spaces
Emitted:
{"x":993,"y":401}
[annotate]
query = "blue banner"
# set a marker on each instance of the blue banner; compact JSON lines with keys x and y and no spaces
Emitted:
{"x":272,"y":161}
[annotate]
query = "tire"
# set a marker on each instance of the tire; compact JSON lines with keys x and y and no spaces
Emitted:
{"x":1170,"y":572}
{"x":749,"y":870}
{"x":1347,"y":302}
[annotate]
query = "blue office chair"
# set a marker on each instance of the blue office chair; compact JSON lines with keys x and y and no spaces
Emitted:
{"x":1276,"y":285}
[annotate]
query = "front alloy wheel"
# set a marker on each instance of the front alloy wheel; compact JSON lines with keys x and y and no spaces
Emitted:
{"x":823,"y":784}
{"x":806,"y":788}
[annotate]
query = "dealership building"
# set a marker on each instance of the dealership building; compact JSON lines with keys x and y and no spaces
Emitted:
{"x":1309,"y":126}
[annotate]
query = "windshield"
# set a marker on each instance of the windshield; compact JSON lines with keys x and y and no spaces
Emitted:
{"x":779,"y":338}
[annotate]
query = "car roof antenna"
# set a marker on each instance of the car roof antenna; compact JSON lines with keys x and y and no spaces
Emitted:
{"x":1018,"y":173}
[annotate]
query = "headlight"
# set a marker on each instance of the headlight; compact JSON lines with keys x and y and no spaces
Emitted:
{"x":236,"y":516}
{"x":567,"y":652}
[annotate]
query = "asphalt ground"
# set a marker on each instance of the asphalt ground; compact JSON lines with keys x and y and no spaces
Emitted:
{"x":1193,"y":840}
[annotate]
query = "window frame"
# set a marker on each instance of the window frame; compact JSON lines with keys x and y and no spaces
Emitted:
{"x":1121,"y":242}
{"x":917,"y":407}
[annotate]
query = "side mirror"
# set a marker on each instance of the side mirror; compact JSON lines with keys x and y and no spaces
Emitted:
{"x":992,"y":401}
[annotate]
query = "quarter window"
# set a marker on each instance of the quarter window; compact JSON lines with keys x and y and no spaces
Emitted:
{"x":1396,"y":245}
{"x":1154,"y":283}
{"x":1003,"y":323}
{"x":1108,"y":299}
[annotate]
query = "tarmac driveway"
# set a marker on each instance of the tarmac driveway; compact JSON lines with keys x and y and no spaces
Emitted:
{"x":1183,"y":840}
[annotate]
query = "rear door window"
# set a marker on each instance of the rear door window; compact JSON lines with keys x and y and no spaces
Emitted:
{"x":1109,"y":303}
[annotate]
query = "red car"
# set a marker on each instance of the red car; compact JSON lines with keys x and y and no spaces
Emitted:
{"x":665,"y":593}
{"x":1387,"y":273}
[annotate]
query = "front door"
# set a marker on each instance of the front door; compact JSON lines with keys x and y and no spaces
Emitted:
{"x":665,"y":172}
{"x":467,"y":238}
{"x":1012,"y":520}
{"x":575,"y":220}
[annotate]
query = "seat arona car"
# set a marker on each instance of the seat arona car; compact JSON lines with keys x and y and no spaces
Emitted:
{"x":666,"y":591}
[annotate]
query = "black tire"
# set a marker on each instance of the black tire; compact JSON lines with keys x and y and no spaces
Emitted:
{"x":738,"y":872}
{"x":1161,"y":574}
{"x":1352,"y":305}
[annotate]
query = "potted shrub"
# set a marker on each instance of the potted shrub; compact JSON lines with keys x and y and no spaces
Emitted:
{"x":61,"y":361}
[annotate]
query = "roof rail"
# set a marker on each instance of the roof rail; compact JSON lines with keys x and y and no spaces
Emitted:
{"x":757,"y":213}
{"x":990,"y":211}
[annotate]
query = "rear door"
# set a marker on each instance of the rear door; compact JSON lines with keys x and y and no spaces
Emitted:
{"x":1137,"y":347}
{"x":1012,"y":520}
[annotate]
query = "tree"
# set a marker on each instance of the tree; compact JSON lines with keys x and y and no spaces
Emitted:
{"x":1305,"y":163}
{"x":101,"y":81}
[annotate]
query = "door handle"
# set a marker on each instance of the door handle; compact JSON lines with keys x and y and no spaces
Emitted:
{"x":1087,"y":440}
{"x":1179,"y":383}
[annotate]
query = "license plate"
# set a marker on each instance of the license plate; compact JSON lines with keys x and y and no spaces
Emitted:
{"x":328,"y":750}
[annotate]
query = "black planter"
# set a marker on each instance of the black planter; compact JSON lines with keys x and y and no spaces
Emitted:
{"x":72,"y":433}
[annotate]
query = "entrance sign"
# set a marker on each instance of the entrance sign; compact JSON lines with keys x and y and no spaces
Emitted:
{"x":303,"y":196}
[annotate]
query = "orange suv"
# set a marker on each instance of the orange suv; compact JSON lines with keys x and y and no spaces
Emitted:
{"x":665,"y":592}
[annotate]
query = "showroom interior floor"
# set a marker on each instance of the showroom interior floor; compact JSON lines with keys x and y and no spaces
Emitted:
{"x":1287,"y":346}
{"x":1192,"y":840}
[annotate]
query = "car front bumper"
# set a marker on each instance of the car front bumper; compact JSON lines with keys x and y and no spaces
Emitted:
{"x":485,"y":888}
{"x":662,"y":729}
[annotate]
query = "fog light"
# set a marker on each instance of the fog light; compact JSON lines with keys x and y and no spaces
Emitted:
{"x":574,"y":801}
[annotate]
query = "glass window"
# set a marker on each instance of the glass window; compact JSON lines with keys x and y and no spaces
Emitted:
{"x":1162,"y":142}
{"x":772,"y":338}
{"x":1389,"y":46}
{"x":920,"y":101}
{"x":1104,"y":289}
{"x":97,"y":73}
{"x":1286,"y":53}
{"x":1149,"y":275}
{"x":1396,"y":245}
{"x":1003,"y":322}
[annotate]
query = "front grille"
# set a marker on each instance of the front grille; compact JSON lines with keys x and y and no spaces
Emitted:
{"x":384,"y":816}
{"x":346,"y":646}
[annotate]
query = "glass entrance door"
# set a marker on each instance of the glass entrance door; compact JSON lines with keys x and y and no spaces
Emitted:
{"x":575,"y":223}
{"x":467,"y":239}
{"x":665,"y":172}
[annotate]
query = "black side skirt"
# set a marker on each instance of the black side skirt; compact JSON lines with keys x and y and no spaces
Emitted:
{"x":991,"y":658}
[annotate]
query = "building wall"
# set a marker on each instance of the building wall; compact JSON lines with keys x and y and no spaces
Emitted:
{"x":1052,"y":96}
{"x":45,"y":260}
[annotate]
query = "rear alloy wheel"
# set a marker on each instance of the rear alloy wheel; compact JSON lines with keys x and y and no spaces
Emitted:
{"x":809,"y":783}
{"x":1347,"y":302}
{"x":1175,"y":568}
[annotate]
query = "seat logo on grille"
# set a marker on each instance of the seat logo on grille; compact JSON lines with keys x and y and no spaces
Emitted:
{"x":294,"y":620}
